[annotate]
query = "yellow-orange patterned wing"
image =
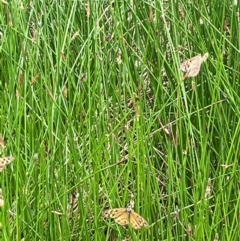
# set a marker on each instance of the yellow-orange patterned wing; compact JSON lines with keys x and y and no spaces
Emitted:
{"x":126,"y":216}
{"x":4,"y":161}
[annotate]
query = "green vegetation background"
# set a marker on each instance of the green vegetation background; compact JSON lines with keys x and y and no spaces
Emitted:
{"x":93,"y":108}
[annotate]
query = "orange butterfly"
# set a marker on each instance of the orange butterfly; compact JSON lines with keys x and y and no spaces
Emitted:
{"x":126,"y":216}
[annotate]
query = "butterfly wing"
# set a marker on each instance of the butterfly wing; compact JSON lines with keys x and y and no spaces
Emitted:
{"x":137,"y":221}
{"x":4,"y":161}
{"x":123,"y":218}
{"x":194,"y":69}
{"x":184,"y":66}
{"x":187,"y":64}
{"x":195,"y":65}
{"x":192,"y":66}
{"x":120,"y":215}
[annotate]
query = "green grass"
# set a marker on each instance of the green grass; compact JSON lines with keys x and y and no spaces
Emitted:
{"x":94,"y":109}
